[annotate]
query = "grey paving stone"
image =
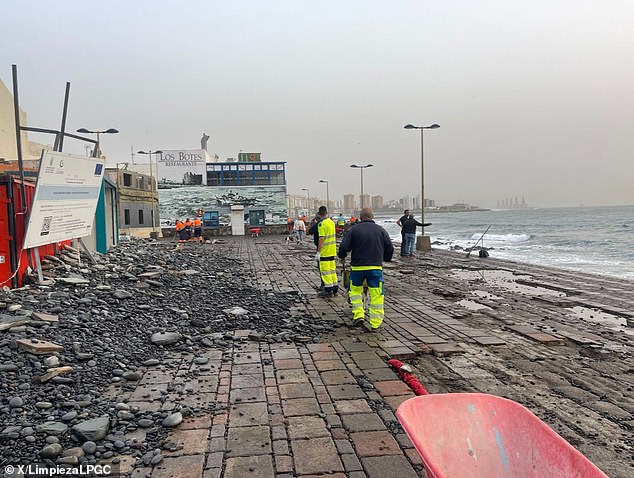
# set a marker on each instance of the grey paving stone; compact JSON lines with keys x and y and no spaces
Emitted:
{"x":345,"y":392}
{"x":383,"y":466}
{"x":306,"y":427}
{"x":362,"y":422}
{"x":248,"y":414}
{"x":247,"y":441}
{"x":319,"y":457}
{"x":249,"y":466}
{"x":351,"y":462}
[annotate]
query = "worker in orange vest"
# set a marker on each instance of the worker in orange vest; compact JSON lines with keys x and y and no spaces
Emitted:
{"x":188,"y":229}
{"x":198,"y":229}
{"x":180,"y":230}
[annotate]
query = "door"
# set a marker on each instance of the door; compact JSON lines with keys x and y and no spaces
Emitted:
{"x":256,"y":217}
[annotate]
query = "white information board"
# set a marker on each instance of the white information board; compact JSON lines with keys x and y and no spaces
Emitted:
{"x":65,"y":199}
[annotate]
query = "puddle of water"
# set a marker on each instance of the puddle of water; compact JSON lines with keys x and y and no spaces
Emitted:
{"x":485,"y":295}
{"x":471,"y":305}
{"x":613,"y":322}
{"x":505,"y":280}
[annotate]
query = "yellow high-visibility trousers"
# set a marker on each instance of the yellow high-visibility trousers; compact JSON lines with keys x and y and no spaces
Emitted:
{"x":374,"y":279}
{"x":328,"y":272}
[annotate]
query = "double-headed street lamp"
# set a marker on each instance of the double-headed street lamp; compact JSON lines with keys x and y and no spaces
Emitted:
{"x":150,"y":153}
{"x":361,"y":168}
{"x":422,"y":170}
{"x":97,"y":151}
{"x":327,"y":195}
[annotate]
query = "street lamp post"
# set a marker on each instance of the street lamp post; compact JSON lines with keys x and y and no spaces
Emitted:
{"x":361,"y":168}
{"x":422,"y":170}
{"x":327,"y":195}
{"x":150,"y":153}
{"x":307,"y":200}
{"x":97,"y":151}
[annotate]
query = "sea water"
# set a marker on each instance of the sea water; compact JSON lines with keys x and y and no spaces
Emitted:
{"x":597,"y":240}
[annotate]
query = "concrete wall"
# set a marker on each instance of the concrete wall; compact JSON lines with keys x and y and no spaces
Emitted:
{"x":226,"y":231}
{"x":8,"y":145}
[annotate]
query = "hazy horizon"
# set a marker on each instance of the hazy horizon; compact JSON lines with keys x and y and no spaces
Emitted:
{"x":534,"y":99}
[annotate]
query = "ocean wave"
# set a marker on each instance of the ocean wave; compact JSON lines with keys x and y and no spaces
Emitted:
{"x":502,"y":237}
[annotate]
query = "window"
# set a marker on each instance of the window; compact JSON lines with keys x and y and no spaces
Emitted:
{"x":141,"y":182}
{"x":231,"y":178}
{"x":127,"y":179}
{"x":277,"y":177}
{"x":140,"y":216}
{"x":213,"y":178}
{"x":126,"y":217}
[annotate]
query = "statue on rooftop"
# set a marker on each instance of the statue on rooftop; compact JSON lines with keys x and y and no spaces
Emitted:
{"x":203,"y":141}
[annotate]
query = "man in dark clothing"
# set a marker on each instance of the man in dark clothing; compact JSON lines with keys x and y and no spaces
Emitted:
{"x":313,"y":228}
{"x":400,"y":224}
{"x":409,"y":233}
{"x":370,"y":245}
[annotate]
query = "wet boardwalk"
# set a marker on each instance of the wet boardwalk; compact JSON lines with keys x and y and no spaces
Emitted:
{"x":557,"y":342}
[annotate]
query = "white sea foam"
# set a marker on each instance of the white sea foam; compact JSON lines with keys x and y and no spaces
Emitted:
{"x":502,"y":237}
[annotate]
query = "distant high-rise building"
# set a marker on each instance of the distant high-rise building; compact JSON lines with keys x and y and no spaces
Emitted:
{"x":377,"y":202}
{"x":348,"y":203}
{"x":365,"y":201}
{"x":409,"y":202}
{"x":428,"y":202}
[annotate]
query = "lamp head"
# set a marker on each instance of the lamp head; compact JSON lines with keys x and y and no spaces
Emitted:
{"x":83,"y":130}
{"x":434,"y":126}
{"x":410,"y":126}
{"x":354,"y":166}
{"x":141,"y":152}
{"x":111,"y":131}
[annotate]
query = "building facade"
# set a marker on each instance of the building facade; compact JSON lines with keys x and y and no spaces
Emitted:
{"x":138,"y":200}
{"x":377,"y":202}
{"x":189,"y":181}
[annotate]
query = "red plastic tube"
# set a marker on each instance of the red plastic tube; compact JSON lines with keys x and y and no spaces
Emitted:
{"x":408,"y":377}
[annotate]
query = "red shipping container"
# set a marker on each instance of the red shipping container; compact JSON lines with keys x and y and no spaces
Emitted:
{"x":13,"y":221}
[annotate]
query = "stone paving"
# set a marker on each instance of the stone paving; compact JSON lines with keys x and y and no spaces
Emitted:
{"x":327,"y":409}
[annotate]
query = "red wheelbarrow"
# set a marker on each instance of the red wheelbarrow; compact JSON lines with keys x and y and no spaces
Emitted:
{"x":476,"y":435}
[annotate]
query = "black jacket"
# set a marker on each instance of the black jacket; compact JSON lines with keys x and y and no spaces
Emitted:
{"x":409,"y":225}
{"x":313,"y":231}
{"x":370,"y":244}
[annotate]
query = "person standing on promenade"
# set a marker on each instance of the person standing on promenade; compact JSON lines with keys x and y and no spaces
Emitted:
{"x":409,"y":233}
{"x":327,"y":254}
{"x":188,"y":229}
{"x":180,"y":230}
{"x":370,"y":246}
{"x":300,"y":229}
{"x":312,"y":231}
{"x":399,"y":223}
{"x":198,"y":230}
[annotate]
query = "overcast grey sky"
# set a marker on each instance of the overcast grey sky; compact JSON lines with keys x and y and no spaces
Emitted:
{"x":535,"y":99}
